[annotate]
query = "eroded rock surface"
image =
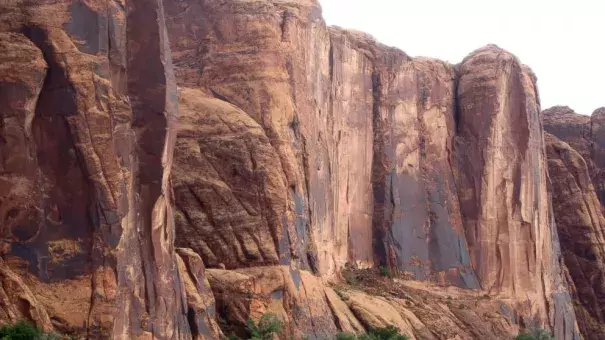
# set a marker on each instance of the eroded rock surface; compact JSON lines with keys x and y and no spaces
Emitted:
{"x":348,"y":156}
{"x":310,"y":308}
{"x":87,"y":132}
{"x":585,"y":135}
{"x":353,"y":152}
{"x":502,"y":187}
{"x":300,"y":151}
{"x":581,"y":229}
{"x":201,"y":305}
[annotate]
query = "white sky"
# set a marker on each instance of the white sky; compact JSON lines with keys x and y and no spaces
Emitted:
{"x":563,"y":41}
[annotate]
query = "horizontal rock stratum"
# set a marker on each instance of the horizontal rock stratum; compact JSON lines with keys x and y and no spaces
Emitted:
{"x":169,"y":169}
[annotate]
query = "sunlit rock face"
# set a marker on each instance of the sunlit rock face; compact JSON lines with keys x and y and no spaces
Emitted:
{"x":288,"y":153}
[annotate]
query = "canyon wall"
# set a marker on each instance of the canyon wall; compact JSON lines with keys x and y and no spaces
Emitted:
{"x":357,"y":155}
{"x":143,"y":141}
{"x":89,"y":106}
{"x":575,"y":167}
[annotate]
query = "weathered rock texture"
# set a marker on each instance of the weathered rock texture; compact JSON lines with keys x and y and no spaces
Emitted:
{"x":310,"y":308}
{"x":349,"y":162}
{"x":299,"y":150}
{"x":503,"y":187}
{"x":88,"y":108}
{"x":321,"y":148}
{"x":585,"y":134}
{"x":573,"y":166}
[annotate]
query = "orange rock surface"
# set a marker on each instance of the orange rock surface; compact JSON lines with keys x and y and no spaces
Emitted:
{"x":169,"y":169}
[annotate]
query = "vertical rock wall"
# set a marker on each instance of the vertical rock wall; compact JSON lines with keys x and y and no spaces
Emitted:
{"x":503,"y":187}
{"x":574,"y":166}
{"x":89,"y":102}
{"x":298,"y":145}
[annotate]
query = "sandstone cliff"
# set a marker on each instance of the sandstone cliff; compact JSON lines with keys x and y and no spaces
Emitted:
{"x":89,"y":107}
{"x":585,"y":135}
{"x":291,"y":156}
{"x":574,"y":169}
{"x":339,"y":151}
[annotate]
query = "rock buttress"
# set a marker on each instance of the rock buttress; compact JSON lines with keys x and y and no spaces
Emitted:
{"x":502,"y":185}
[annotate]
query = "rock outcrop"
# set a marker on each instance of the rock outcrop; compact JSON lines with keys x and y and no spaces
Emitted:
{"x":503,"y":186}
{"x":289,"y":154}
{"x":585,"y":135}
{"x":310,"y":308}
{"x":573,"y":166}
{"x":336,"y":150}
{"x":89,"y":105}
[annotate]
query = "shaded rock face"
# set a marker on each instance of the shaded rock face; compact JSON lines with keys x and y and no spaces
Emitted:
{"x":578,"y":215}
{"x":290,"y":152}
{"x":585,"y":135}
{"x":88,"y":101}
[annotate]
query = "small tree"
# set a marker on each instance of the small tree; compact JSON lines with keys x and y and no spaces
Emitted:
{"x":267,"y":326}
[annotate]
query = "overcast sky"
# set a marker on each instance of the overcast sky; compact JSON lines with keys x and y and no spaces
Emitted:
{"x":563,"y":41}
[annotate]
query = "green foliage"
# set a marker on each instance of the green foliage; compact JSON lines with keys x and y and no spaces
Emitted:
{"x":24,"y":330}
{"x":267,"y":326}
{"x":20,"y":331}
{"x":385,"y":333}
{"x":384,"y":271}
{"x":346,"y":336}
{"x":536,"y":334}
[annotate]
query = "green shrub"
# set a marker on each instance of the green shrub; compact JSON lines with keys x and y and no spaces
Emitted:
{"x":384,"y":271}
{"x":346,"y":336}
{"x":536,"y":334}
{"x":267,"y":326}
{"x":24,"y":330}
{"x":385,"y":333}
{"x":21,"y":330}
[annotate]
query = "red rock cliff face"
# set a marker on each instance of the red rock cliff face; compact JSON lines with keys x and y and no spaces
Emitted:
{"x":503,"y":186}
{"x":89,"y":103}
{"x":581,"y":230}
{"x":347,"y":156}
{"x":355,"y":149}
{"x":583,"y":134}
{"x":289,"y":149}
{"x":575,"y":166}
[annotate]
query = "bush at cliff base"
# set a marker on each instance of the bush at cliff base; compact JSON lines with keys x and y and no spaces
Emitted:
{"x":537,"y":334}
{"x":23,"y":330}
{"x":386,"y":333}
